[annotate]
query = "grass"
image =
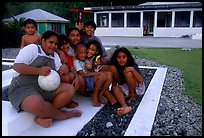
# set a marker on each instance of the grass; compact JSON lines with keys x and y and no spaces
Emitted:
{"x":189,"y":62}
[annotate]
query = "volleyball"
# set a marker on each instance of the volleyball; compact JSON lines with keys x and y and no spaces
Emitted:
{"x":50,"y":82}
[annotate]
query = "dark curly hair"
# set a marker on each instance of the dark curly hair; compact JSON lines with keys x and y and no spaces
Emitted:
{"x":98,"y":46}
{"x":30,"y":21}
{"x":70,"y":30}
{"x":130,"y":61}
{"x":90,"y":23}
{"x":47,"y":34}
{"x":62,"y":40}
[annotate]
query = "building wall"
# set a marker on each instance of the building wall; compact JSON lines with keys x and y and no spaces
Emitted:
{"x":157,"y":31}
{"x":42,"y":27}
{"x":49,"y":26}
{"x":63,"y":28}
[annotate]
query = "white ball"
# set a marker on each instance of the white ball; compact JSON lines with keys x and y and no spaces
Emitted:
{"x":50,"y":82}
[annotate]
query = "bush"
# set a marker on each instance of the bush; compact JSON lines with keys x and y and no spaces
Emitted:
{"x":11,"y":34}
{"x":11,"y":38}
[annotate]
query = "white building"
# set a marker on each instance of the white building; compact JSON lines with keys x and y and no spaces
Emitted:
{"x":157,"y":19}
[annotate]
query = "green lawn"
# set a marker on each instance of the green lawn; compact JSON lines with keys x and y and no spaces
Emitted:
{"x":189,"y":62}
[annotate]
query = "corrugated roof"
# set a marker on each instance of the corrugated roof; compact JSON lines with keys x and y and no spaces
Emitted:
{"x":149,"y":6}
{"x":39,"y":15}
{"x":167,"y":3}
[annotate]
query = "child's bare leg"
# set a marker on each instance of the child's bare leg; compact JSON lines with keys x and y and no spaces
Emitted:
{"x":118,"y":92}
{"x":45,"y":111}
{"x":72,"y":104}
{"x":131,"y":82}
{"x":108,"y":81}
{"x":44,"y":122}
{"x":112,"y":69}
{"x":62,"y":91}
{"x":67,"y":78}
{"x":98,"y":84}
{"x":110,"y":97}
{"x":64,"y":95}
{"x":82,"y":86}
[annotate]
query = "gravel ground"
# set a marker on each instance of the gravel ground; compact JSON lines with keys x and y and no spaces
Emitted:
{"x":107,"y":123}
{"x":177,"y":114}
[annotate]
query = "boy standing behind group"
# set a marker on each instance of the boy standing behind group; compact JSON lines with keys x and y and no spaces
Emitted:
{"x":31,"y":36}
{"x":88,"y":28}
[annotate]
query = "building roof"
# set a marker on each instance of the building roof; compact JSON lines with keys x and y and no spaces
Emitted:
{"x":39,"y":15}
{"x":149,"y":6}
{"x":167,"y":3}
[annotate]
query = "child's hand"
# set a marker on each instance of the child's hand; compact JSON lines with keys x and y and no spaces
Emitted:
{"x":133,"y":97}
{"x":79,"y":25}
{"x":44,"y":70}
{"x":127,"y":69}
{"x":99,"y":75}
{"x":63,"y":69}
{"x":98,"y":62}
{"x":63,"y":58}
{"x":88,"y":66}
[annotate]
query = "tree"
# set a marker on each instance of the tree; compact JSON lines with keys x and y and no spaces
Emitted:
{"x":12,"y":33}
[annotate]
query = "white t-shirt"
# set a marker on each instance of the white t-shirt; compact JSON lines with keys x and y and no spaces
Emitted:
{"x":79,"y":65}
{"x":29,"y":53}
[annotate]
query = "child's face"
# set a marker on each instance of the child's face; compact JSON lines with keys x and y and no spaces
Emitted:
{"x":74,"y":37}
{"x":89,"y":30}
{"x":50,"y":45}
{"x":92,"y":51}
{"x":81,"y":53}
{"x":122,"y":58}
{"x":30,"y":29}
{"x":65,"y":47}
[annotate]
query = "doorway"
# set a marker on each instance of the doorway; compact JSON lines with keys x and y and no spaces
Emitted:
{"x":148,"y":23}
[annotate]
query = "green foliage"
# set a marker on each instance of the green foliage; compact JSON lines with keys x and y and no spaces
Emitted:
{"x":17,"y":25}
{"x":61,"y":9}
{"x":12,"y":34}
{"x":189,"y":62}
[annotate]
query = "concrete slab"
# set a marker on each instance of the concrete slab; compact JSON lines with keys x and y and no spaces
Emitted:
{"x":21,"y":124}
{"x":7,"y":77}
{"x":143,"y":119}
{"x":68,"y":127}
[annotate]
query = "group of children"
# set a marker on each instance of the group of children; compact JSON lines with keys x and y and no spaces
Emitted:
{"x":81,"y":61}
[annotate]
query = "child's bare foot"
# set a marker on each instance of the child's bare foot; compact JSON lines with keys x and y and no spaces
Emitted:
{"x":124,"y":110}
{"x":72,"y":113}
{"x":44,"y":122}
{"x":133,"y":97}
{"x":114,"y":102}
{"x":95,"y":101}
{"x":103,"y":100}
{"x":72,"y":104}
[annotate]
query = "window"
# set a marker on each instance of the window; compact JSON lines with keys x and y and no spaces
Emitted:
{"x":182,"y":19}
{"x":102,"y":19}
{"x":197,"y":19}
{"x":56,"y":27}
{"x":117,"y":20}
{"x":133,"y":19}
{"x":164,"y":19}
